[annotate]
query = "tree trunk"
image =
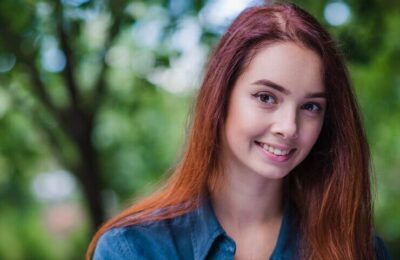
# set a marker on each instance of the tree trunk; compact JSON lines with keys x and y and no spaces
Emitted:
{"x":80,"y":130}
{"x":89,"y":174}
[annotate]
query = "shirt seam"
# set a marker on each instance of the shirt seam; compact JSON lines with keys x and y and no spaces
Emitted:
{"x":123,"y":243}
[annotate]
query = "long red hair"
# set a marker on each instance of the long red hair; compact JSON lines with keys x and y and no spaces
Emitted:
{"x":330,"y":188}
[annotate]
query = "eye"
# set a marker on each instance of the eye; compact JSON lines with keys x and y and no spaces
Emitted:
{"x":266,"y":98}
{"x":312,"y":107}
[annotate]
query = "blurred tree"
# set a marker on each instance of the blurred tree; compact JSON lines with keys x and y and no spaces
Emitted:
{"x":24,"y":36}
{"x":48,"y":41}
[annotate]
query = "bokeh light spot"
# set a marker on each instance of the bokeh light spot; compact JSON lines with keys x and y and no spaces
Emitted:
{"x":7,"y":62}
{"x":337,"y":13}
{"x":53,"y":60}
{"x":53,"y":186}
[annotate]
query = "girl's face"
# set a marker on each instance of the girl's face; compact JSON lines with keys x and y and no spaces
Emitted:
{"x":275,"y":112}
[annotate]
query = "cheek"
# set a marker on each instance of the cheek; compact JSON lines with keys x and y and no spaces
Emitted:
{"x":242,"y":124}
{"x":236,"y":115}
{"x":310,"y":134}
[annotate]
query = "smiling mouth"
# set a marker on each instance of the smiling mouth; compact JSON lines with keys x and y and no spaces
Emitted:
{"x":274,"y":150}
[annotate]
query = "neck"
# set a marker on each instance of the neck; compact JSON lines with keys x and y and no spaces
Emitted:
{"x":247,"y":200}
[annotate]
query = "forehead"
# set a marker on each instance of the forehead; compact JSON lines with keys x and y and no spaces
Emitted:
{"x":288,"y":64}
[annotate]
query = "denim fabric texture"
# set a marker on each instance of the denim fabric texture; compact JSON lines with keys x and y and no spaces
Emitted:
{"x":196,"y":235}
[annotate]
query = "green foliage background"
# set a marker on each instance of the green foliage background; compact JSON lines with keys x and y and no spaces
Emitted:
{"x":139,"y":127}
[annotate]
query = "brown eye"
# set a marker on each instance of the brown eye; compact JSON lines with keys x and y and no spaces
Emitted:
{"x":266,"y":98}
{"x":312,"y":107}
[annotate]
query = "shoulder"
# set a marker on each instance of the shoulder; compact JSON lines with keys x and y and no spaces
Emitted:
{"x":380,"y":249}
{"x":155,"y":240}
{"x":113,"y":244}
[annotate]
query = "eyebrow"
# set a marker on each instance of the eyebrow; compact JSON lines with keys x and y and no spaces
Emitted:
{"x":271,"y":84}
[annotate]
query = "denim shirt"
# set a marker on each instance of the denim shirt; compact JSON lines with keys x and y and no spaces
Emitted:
{"x":195,"y":235}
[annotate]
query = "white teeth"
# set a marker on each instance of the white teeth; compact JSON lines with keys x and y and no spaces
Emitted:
{"x":269,"y":148}
{"x":275,"y":151}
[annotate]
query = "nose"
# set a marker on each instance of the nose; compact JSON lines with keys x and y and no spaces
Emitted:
{"x":286,"y":124}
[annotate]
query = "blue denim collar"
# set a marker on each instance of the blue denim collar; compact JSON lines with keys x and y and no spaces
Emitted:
{"x":205,"y":229}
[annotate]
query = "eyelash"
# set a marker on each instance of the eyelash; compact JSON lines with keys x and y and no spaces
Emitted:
{"x":317,"y":108}
{"x":262,"y":95}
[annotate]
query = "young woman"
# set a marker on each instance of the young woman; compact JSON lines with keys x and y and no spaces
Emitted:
{"x":276,"y":165}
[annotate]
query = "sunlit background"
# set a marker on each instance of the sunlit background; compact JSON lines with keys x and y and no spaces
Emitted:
{"x":95,"y":99}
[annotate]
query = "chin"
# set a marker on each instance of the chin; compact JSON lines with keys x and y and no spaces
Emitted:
{"x":274,"y":174}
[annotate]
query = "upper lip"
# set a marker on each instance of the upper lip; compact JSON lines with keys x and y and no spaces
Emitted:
{"x":279,"y":146}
